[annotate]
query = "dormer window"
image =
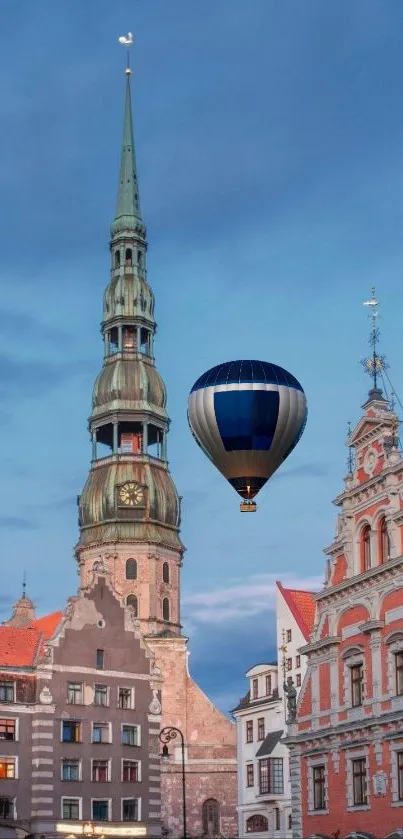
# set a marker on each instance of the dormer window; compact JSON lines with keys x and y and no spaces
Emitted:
{"x":366,"y":548}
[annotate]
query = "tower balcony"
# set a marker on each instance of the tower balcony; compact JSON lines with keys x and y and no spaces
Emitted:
{"x":140,"y":457}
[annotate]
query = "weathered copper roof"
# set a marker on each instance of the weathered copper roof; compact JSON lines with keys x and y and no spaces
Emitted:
{"x":129,"y":295}
{"x":129,"y":384}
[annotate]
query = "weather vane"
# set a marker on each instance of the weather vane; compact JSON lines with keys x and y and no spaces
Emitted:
{"x":127,"y":41}
{"x":375,"y":364}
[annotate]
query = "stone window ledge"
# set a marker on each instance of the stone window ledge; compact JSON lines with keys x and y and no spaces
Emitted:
{"x":321,"y":812}
{"x":355,"y":808}
{"x":397,"y":804}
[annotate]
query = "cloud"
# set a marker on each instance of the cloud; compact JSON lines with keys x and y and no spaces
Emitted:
{"x":17,"y":523}
{"x":254,"y":596}
{"x":19,"y":378}
{"x":305,"y":470}
{"x":30,"y":326}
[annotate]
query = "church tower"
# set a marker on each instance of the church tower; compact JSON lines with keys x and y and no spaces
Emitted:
{"x":129,"y":510}
{"x":129,"y":518}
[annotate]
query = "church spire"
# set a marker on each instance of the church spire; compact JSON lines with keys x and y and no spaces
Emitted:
{"x":375,"y":364}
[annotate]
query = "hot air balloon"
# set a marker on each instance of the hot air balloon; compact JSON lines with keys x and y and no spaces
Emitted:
{"x":247,"y":416}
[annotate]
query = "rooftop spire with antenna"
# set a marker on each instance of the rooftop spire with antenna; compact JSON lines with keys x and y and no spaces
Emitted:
{"x":375,"y":364}
{"x":350,"y":456}
{"x":24,"y":585}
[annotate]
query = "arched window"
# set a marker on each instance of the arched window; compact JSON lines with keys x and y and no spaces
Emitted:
{"x":165,"y":572}
{"x":257,"y":824}
{"x":134,"y":603}
{"x":165,"y":609}
{"x":366,"y":548}
{"x":131,"y":569}
{"x":211,"y":817}
{"x":128,"y":256}
{"x":117,"y":259}
{"x":385,"y":542}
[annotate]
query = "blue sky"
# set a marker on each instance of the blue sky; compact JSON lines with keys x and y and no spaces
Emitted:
{"x":270,"y":150}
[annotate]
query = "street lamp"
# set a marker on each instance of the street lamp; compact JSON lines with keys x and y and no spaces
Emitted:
{"x":166,"y":735}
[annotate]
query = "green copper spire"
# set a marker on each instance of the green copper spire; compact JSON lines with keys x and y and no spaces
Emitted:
{"x":128,"y":213}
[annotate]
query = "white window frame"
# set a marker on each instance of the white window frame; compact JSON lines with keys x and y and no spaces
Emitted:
{"x":352,"y":657}
{"x":108,"y":770}
{"x":73,"y":704}
{"x":132,"y":705}
{"x":107,"y":725}
{"x":17,"y":728}
{"x":8,"y":682}
{"x":8,"y":759}
{"x":394,"y":749}
{"x":360,"y":754}
{"x":130,"y":725}
{"x":131,"y":798}
{"x":64,"y":760}
{"x":130,"y":760}
{"x":394,"y":643}
{"x":71,"y":798}
{"x":109,"y":800}
{"x":311,"y":764}
{"x":107,"y":703}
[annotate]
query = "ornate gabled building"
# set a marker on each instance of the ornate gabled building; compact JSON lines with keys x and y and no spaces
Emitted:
{"x":346,"y":743}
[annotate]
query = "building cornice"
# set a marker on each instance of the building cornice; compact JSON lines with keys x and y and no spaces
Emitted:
{"x":354,"y":582}
{"x":349,"y":727}
{"x":322,"y":644}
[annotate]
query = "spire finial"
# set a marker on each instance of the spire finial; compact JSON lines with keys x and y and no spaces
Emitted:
{"x":127,"y":41}
{"x":24,"y":584}
{"x":350,"y":456}
{"x":375,"y":364}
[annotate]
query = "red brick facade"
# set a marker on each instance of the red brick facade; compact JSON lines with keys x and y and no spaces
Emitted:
{"x":346,"y":748}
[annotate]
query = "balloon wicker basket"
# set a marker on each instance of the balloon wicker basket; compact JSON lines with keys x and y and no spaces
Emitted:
{"x":248,"y":507}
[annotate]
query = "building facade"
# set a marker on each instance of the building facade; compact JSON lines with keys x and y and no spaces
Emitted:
{"x":80,"y":714}
{"x":264,"y":790}
{"x":129,"y":522}
{"x":346,"y":744}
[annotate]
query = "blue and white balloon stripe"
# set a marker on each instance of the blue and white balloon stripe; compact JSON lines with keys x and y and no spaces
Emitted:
{"x":247,"y":416}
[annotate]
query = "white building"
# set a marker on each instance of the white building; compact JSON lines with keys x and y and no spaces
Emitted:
{"x":264,"y":793}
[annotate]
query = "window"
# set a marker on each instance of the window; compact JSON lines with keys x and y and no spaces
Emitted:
{"x":130,"y":735}
{"x":268,"y":685}
{"x":71,"y":731}
{"x":260,"y":729}
{"x":255,"y":689}
{"x":400,"y":775}
{"x":99,"y":663}
{"x":132,"y":601}
{"x":128,"y":256}
{"x":399,"y":673}
{"x":7,"y":767}
{"x":6,"y":807}
{"x":359,"y":781}
{"x":100,"y":770}
{"x":117,"y":259}
{"x":100,"y":732}
{"x":319,"y":790}
{"x":125,"y":698}
{"x":211,"y":817}
{"x":357,"y":693}
{"x":6,"y":691}
{"x":71,"y":808}
{"x":165,"y":572}
{"x":277,"y":818}
{"x":289,"y":821}
{"x":298,"y":661}
{"x":289,"y":663}
{"x":385,"y":542}
{"x":100,"y":810}
{"x":289,"y":635}
{"x":75,"y":693}
{"x":165,"y":609}
{"x":249,"y":731}
{"x":8,"y":729}
{"x":257,"y":824}
{"x":249,"y":775}
{"x":130,"y":770}
{"x":101,"y":695}
{"x":131,"y":569}
{"x":366,"y":548}
{"x":271,"y":776}
{"x":70,"y":770}
{"x":298,"y":680}
{"x":130,"y":809}
{"x":139,"y":258}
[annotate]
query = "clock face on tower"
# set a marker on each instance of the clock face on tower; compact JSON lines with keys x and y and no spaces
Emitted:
{"x":131,"y":494}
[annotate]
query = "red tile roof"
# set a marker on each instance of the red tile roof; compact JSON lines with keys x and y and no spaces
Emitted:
{"x":48,"y":624}
{"x":19,"y":646}
{"x":302,"y":606}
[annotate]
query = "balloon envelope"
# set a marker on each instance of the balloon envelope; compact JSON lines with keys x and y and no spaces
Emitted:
{"x":247,"y":416}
